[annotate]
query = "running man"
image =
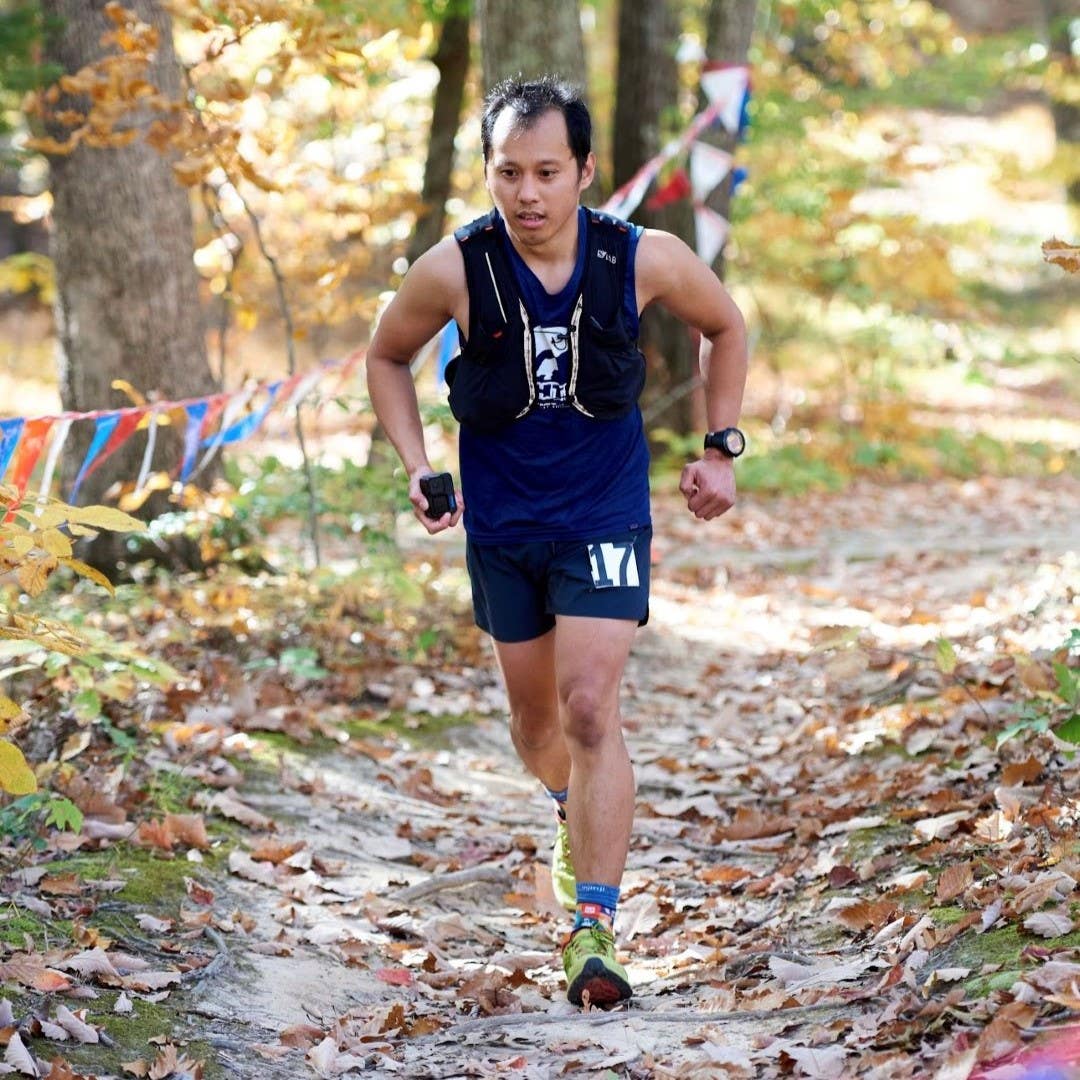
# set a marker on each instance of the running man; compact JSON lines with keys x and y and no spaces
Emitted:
{"x":554,"y":464}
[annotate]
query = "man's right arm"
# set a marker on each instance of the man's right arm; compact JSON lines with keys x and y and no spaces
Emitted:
{"x":432,"y":293}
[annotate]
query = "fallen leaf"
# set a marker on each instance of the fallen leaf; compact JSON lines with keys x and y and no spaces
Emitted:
{"x":18,"y":1057}
{"x":954,"y":881}
{"x":75,"y":1027}
{"x":998,"y":1039}
{"x":1049,"y":924}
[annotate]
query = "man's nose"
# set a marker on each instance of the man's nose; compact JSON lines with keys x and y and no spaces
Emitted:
{"x":527,"y":192}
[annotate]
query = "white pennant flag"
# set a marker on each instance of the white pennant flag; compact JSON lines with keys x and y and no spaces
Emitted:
{"x":60,"y":434}
{"x":726,"y":87}
{"x":622,"y":206}
{"x":711,"y":231}
{"x":708,"y":166}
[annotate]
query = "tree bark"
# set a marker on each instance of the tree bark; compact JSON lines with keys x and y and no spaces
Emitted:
{"x":452,"y":59}
{"x":1066,"y":114}
{"x":537,"y":38}
{"x":127,"y":290}
{"x":646,"y":112}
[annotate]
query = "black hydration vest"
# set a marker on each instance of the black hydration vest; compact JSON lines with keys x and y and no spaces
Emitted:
{"x":492,"y":381}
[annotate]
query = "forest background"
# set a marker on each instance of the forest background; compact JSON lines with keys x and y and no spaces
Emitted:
{"x":215,"y":194}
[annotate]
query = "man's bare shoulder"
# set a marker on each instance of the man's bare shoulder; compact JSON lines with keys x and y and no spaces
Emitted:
{"x":439,"y":273}
{"x":661,"y":262}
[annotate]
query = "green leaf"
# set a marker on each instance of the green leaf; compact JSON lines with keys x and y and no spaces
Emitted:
{"x":87,"y":705}
{"x":1029,"y":722}
{"x":946,"y":656}
{"x":1068,"y":684}
{"x":1070,"y":730}
{"x":64,"y":814}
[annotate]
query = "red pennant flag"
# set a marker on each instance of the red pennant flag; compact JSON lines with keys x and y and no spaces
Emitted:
{"x":677,"y":187}
{"x":26,"y":457}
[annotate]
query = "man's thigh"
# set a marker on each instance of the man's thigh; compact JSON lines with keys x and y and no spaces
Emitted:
{"x":590,"y":655}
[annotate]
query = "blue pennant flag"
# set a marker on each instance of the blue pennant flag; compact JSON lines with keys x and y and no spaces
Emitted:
{"x":102,"y":430}
{"x":196,"y":413}
{"x":10,"y":433}
{"x":249,"y":424}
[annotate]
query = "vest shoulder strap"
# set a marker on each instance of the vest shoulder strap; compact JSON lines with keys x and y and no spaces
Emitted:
{"x":607,"y":262}
{"x":492,"y":296}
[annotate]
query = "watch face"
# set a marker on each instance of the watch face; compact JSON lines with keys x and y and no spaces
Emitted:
{"x":735,"y":441}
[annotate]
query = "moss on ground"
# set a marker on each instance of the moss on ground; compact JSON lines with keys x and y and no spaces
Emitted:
{"x":131,"y":1033}
{"x":17,"y":925}
{"x":1000,"y":949}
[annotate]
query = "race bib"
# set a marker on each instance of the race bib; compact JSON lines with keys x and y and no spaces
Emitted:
{"x":613,"y":565}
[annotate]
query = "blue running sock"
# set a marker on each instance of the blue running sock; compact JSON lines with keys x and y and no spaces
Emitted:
{"x":559,"y":798}
{"x":596,"y":903}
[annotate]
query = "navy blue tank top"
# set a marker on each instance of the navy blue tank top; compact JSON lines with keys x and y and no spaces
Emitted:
{"x":556,"y":474}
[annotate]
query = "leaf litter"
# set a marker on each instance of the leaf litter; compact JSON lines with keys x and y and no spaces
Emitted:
{"x":836,"y":869}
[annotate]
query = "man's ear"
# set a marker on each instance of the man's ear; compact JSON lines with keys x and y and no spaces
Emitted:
{"x":588,"y":171}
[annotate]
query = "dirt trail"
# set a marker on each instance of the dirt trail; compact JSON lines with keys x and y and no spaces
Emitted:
{"x":729,"y":714}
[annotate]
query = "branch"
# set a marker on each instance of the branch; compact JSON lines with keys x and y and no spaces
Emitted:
{"x":598,"y":1018}
{"x":286,"y":314}
{"x":457,"y":880}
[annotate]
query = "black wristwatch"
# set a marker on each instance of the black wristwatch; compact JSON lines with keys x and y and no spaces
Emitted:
{"x":731,"y":442}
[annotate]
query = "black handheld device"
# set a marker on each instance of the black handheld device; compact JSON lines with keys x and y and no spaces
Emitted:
{"x":439,"y":492}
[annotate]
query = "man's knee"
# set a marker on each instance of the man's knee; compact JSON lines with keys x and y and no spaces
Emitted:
{"x":534,"y":727}
{"x":589,"y":716}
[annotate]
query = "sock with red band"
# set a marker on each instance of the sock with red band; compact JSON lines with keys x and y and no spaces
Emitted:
{"x":596,"y":903}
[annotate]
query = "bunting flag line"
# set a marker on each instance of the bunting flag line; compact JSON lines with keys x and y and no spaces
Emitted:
{"x":210,"y":423}
{"x":727,"y":88}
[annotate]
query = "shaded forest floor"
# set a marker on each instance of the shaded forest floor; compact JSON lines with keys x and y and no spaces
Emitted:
{"x":834,"y":871}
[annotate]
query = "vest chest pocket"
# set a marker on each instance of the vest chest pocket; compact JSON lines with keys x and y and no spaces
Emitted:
{"x":488,"y":386}
{"x":612,"y":372}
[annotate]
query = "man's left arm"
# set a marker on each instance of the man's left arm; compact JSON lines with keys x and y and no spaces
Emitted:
{"x":673,"y":275}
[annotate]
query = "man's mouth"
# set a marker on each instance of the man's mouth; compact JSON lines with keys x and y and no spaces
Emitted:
{"x":530,"y":219}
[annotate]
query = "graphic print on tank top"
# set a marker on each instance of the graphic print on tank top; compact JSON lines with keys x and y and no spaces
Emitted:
{"x":551,"y":350}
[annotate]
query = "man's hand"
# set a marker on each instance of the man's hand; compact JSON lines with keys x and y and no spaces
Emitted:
{"x":420,"y":505}
{"x":709,"y":486}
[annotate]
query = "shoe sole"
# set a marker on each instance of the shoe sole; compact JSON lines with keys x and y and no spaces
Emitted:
{"x":604,"y":986}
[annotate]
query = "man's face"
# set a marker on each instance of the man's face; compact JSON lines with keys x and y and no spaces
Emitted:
{"x":532,"y":176}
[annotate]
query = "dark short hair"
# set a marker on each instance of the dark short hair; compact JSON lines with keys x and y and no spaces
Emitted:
{"x":529,"y":101}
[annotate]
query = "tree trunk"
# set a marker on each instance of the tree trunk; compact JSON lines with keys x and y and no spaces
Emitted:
{"x":1057,"y":28}
{"x":535,"y":38}
{"x":730,"y":25}
{"x":127,"y":290}
{"x":452,"y":59}
{"x":647,"y":91}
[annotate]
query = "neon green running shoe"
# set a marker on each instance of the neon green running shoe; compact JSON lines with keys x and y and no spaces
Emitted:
{"x":590,"y":965}
{"x":563,"y":882}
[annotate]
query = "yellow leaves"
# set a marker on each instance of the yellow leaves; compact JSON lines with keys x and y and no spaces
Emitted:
{"x":1062,"y":254}
{"x":16,"y":776}
{"x":105,"y":517}
{"x":33,"y":575}
{"x":90,"y":572}
{"x":192,"y":171}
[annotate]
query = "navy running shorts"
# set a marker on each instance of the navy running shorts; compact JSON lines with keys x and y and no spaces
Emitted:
{"x":518,"y":589}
